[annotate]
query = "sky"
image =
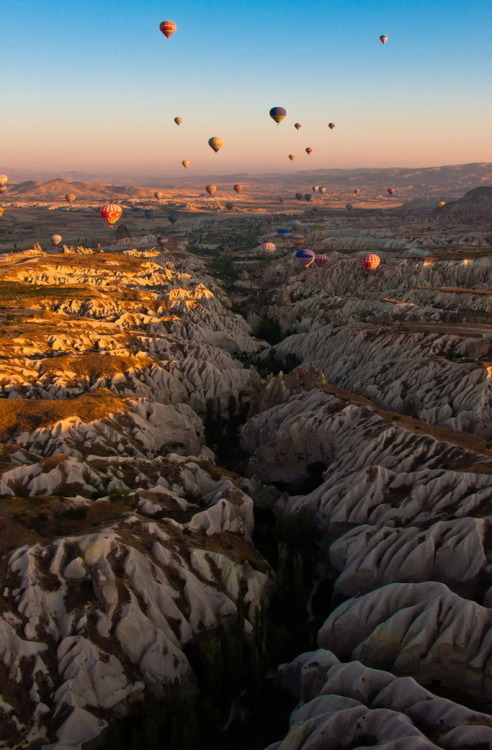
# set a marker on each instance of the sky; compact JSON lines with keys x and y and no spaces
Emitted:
{"x":93,"y":87}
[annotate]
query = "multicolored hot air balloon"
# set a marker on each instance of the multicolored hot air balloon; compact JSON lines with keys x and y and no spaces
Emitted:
{"x":305,"y":257}
{"x":308,"y":197}
{"x":268,"y":248}
{"x":185,"y":163}
{"x":159,"y":195}
{"x":215,"y":143}
{"x":283,"y":233}
{"x":172,"y":218}
{"x":211,"y":189}
{"x":229,"y":206}
{"x":292,"y":157}
{"x":332,"y":125}
{"x":390,"y":191}
{"x":178,"y":120}
{"x":278,"y":114}
{"x":70,"y":197}
{"x":298,"y":125}
{"x":56,"y":239}
{"x":168,"y":28}
{"x":298,"y":240}
{"x":321,"y":259}
{"x":238,"y":188}
{"x":383,"y":38}
{"x":308,"y":150}
{"x":369,"y":262}
{"x":161,"y":240}
{"x":111,"y":212}
{"x":3,"y":179}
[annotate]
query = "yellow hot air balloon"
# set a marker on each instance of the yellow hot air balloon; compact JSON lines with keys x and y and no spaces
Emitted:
{"x":3,"y":179}
{"x":292,"y":157}
{"x":70,"y":197}
{"x":178,"y":120}
{"x":211,"y":189}
{"x":215,"y":143}
{"x":56,"y":239}
{"x":185,"y":164}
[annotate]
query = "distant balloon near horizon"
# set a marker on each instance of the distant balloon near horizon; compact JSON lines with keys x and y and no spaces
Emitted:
{"x":332,"y":125}
{"x":168,"y":28}
{"x":348,"y":206}
{"x":370,"y":261}
{"x":229,"y":206}
{"x":110,"y":212}
{"x":298,"y":125}
{"x":211,"y":189}
{"x":238,"y":188}
{"x":383,"y":38}
{"x":185,"y":163}
{"x":172,"y":218}
{"x":356,"y":191}
{"x":56,"y":239}
{"x":161,"y":240}
{"x":3,"y":179}
{"x":292,"y":157}
{"x":70,"y":197}
{"x":322,"y":190}
{"x":280,"y":199}
{"x":159,"y":195}
{"x":308,"y":197}
{"x":295,"y":222}
{"x":278,"y":114}
{"x":390,"y":191}
{"x":308,"y":150}
{"x":315,"y":188}
{"x":283,"y":233}
{"x":178,"y":120}
{"x":441,"y":204}
{"x":1,"y":212}
{"x":298,"y":196}
{"x":298,"y":240}
{"x":215,"y":143}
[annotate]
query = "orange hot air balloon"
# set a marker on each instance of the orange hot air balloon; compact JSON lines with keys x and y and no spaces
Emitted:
{"x":1,"y":212}
{"x":238,"y":188}
{"x":211,"y":189}
{"x":268,"y":248}
{"x":3,"y":188}
{"x":383,"y":38}
{"x":3,"y":179}
{"x":168,"y":28}
{"x":332,"y":125}
{"x":56,"y":239}
{"x":309,"y":150}
{"x":159,"y":195}
{"x":178,"y":120}
{"x":70,"y":197}
{"x":441,"y":204}
{"x":370,"y":262}
{"x":110,"y":212}
{"x":185,"y":164}
{"x":292,"y":157}
{"x":215,"y":143}
{"x":298,"y":125}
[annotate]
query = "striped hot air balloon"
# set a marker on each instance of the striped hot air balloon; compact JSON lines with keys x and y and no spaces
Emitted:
{"x":238,"y":188}
{"x":321,"y":259}
{"x":308,"y":150}
{"x":162,"y":240}
{"x":70,"y":197}
{"x":3,"y":179}
{"x":305,"y":257}
{"x":370,"y":262}
{"x":298,"y":240}
{"x":211,"y":189}
{"x":110,"y":212}
{"x":283,"y":233}
{"x":168,"y":28}
{"x":292,"y":157}
{"x":268,"y":248}
{"x":383,"y":38}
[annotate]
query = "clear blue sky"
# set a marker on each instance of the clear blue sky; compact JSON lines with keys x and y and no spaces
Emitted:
{"x":95,"y":86}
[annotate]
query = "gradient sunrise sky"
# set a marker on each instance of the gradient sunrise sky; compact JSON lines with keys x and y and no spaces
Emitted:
{"x":94,"y":86}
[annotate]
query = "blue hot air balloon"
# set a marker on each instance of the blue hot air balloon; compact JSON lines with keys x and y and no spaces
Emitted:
{"x":161,"y":240}
{"x":282,"y":233}
{"x":305,"y":257}
{"x":277,"y":114}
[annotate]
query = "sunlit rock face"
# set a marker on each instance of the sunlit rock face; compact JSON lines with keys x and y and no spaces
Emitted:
{"x":347,"y":705}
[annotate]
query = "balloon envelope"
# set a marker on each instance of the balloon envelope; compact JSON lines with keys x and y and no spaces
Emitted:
{"x":315,"y":188}
{"x":383,"y":38}
{"x":292,"y":157}
{"x":238,"y":188}
{"x":370,"y":262}
{"x":305,"y":257}
{"x":295,"y":222}
{"x":441,"y":204}
{"x":111,"y":212}
{"x":298,"y":240}
{"x":159,"y":195}
{"x":215,"y":143}
{"x":3,"y":188}
{"x":168,"y":28}
{"x":3,"y":179}
{"x":172,"y":218}
{"x":161,"y":240}
{"x":356,"y":191}
{"x":278,"y":114}
{"x":268,"y":248}
{"x":348,"y":206}
{"x":229,"y":206}
{"x":298,"y":125}
{"x":322,"y":190}
{"x":309,"y":150}
{"x":308,"y":197}
{"x":321,"y":259}
{"x":185,"y":163}
{"x":283,"y":232}
{"x":211,"y":189}
{"x":148,"y":214}
{"x":56,"y":239}
{"x":1,"y":211}
{"x":332,"y":125}
{"x":390,"y":191}
{"x":178,"y":120}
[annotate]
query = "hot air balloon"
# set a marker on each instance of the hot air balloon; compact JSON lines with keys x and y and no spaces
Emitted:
{"x":356,"y":191}
{"x":283,"y":233}
{"x":229,"y":206}
{"x":185,"y":164}
{"x":308,"y":150}
{"x":1,"y":212}
{"x":292,"y":157}
{"x":3,"y":188}
{"x":280,"y":199}
{"x":178,"y":120}
{"x":56,"y":239}
{"x":161,"y":240}
{"x":70,"y":197}
{"x":370,"y":262}
{"x":3,"y":179}
{"x":172,"y":218}
{"x":332,"y":125}
{"x":268,"y":248}
{"x":308,"y":197}
{"x":321,"y":259}
{"x":111,"y":212}
{"x":390,"y":191}
{"x":383,"y":38}
{"x":305,"y":257}
{"x":322,"y":190}
{"x":298,"y":240}
{"x":211,"y":189}
{"x":315,"y":188}
{"x":298,"y":196}
{"x":159,"y":195}
{"x":295,"y":222}
{"x":148,"y":213}
{"x":298,"y":125}
{"x":278,"y":114}
{"x":168,"y":28}
{"x":441,"y":204}
{"x":348,"y":206}
{"x":238,"y":188}
{"x":215,"y":143}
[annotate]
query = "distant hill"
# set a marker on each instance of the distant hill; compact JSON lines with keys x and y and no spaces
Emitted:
{"x":58,"y":188}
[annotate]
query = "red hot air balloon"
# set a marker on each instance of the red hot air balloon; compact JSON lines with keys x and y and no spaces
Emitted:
{"x":168,"y":28}
{"x":3,"y":179}
{"x":309,"y":150}
{"x":238,"y":188}
{"x":390,"y":191}
{"x":111,"y":212}
{"x":321,"y":259}
{"x":299,"y":196}
{"x":268,"y":248}
{"x":370,"y":262}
